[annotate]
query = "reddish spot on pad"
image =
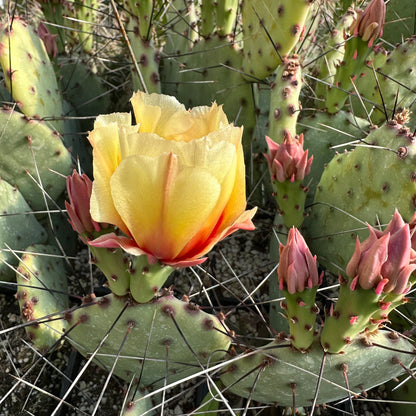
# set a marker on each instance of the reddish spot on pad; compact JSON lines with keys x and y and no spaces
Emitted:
{"x":208,"y":324}
{"x":168,"y":310}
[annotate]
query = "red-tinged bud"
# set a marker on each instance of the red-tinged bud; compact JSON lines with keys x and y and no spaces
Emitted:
{"x":370,"y":22}
{"x":385,"y":260}
{"x":288,"y":161}
{"x":297,"y":267}
{"x":49,"y":40}
{"x":79,"y":189}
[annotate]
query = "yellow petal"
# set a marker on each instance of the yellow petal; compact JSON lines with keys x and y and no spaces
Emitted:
{"x":212,"y":153}
{"x":160,"y":114}
{"x":218,"y":158}
{"x":237,"y":201}
{"x":126,"y":144}
{"x":188,"y":205}
{"x":118,"y":118}
{"x":163,"y":204}
{"x":208,"y":119}
{"x":106,"y":157}
{"x":137,"y":189}
{"x":146,"y":144}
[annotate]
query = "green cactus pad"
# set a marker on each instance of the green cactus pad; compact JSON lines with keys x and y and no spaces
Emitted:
{"x":301,"y":313}
{"x":18,"y":228}
{"x":278,"y":374}
{"x":29,"y":148}
{"x":29,"y":74}
{"x":400,"y":20}
{"x":284,"y":99}
{"x":42,"y":294}
{"x":86,"y":17}
{"x":395,"y":77}
{"x":140,"y":31}
{"x":290,"y":197}
{"x":355,"y":56}
{"x":355,"y":311}
{"x":364,"y":185}
{"x":147,"y":279}
{"x":167,"y":337}
{"x":114,"y":264}
{"x":142,"y":14}
{"x":333,"y":56}
{"x":147,"y":59}
{"x":85,"y":91}
{"x":138,"y":403}
{"x":325,"y":135}
{"x":226,"y":13}
{"x":271,"y":30}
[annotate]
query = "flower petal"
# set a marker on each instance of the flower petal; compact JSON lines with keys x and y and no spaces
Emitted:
{"x":121,"y":119}
{"x":106,"y":157}
{"x":160,"y":114}
{"x":163,"y":204}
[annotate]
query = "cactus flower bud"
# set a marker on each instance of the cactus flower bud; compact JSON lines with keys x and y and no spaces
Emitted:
{"x":385,"y":260}
{"x":379,"y":272}
{"x":288,"y":161}
{"x":297,"y":267}
{"x":370,"y":22}
{"x":299,"y":281}
{"x":49,"y":40}
{"x":79,"y":189}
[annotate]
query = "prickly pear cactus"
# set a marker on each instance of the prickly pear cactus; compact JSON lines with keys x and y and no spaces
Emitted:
{"x":325,"y":135}
{"x":29,"y":74}
{"x":165,"y":327}
{"x":390,"y":86}
{"x":237,"y":54}
{"x":271,"y":30}
{"x":284,"y":100}
{"x":346,"y":199}
{"x":277,"y":374}
{"x":16,"y":218}
{"x":42,"y":295}
{"x":33,"y":158}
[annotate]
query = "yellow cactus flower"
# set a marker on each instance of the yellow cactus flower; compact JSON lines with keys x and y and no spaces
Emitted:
{"x":173,"y":183}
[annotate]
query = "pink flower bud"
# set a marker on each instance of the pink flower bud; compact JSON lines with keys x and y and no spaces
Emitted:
{"x":297,"y":267}
{"x":288,"y":161}
{"x":49,"y":40}
{"x":370,"y":22}
{"x":79,"y":189}
{"x":385,"y":260}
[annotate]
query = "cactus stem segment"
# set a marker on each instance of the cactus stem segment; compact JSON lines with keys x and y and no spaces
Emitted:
{"x":147,"y":279}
